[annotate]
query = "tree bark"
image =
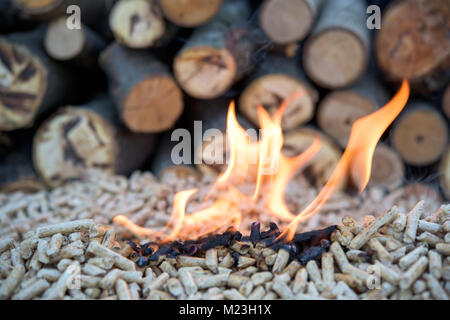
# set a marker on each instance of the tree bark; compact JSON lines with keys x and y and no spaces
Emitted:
{"x":420,"y":135}
{"x":218,"y":53}
{"x":276,"y":79}
{"x":33,"y":83}
{"x":16,"y":167}
{"x":146,"y":95}
{"x":413,"y":44}
{"x":78,"y":139}
{"x":336,"y":54}
{"x":288,"y":21}
{"x":190,"y":13}
{"x":446,"y":102}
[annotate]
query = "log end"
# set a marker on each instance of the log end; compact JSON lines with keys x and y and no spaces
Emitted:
{"x":23,"y":83}
{"x":420,"y":136}
{"x":136,"y":23}
{"x":414,"y":38}
{"x":190,"y":13}
{"x":38,"y":8}
{"x":270,"y":91}
{"x":339,"y":110}
{"x":62,"y":43}
{"x":286,"y":21}
{"x":153,"y":105}
{"x":205,"y":72}
{"x":387,"y":168}
{"x":335,"y":58}
{"x":72,"y":142}
{"x":322,"y":165}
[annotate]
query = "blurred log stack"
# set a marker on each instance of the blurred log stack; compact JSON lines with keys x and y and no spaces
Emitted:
{"x":108,"y":95}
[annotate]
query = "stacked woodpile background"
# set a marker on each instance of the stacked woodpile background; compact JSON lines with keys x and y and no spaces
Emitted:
{"x":108,"y":95}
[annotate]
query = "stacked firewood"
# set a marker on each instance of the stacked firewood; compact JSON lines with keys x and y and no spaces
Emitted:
{"x":107,"y":95}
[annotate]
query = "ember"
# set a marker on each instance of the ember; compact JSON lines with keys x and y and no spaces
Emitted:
{"x":303,"y":247}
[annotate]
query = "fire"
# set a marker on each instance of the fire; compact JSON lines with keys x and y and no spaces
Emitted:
{"x":274,"y":171}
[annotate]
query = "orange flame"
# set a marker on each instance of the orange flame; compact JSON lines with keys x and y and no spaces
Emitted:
{"x":357,"y":157}
{"x":274,"y":171}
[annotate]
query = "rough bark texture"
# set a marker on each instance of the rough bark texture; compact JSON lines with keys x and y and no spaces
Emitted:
{"x":341,"y":108}
{"x":147,"y":97}
{"x":288,"y":21}
{"x":33,"y":83}
{"x":446,"y":102}
{"x":323,"y":164}
{"x":78,"y":139}
{"x":16,"y":167}
{"x":276,"y":79}
{"x":137,"y":23}
{"x":190,"y":13}
{"x":388,"y":169}
{"x":336,"y":53}
{"x":413,"y":43}
{"x":420,"y":135}
{"x":80,"y":47}
{"x":218,"y":53}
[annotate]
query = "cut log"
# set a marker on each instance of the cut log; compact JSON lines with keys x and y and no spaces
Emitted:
{"x":413,"y":43}
{"x":80,"y":47}
{"x":218,"y":53}
{"x":210,"y":115}
{"x":288,"y":21}
{"x":78,"y":139}
{"x":10,"y":19}
{"x":341,"y":108}
{"x":322,"y":166}
{"x":32,"y":83}
{"x":388,"y":170}
{"x":444,"y":172}
{"x":446,"y":102}
{"x":16,"y":167}
{"x":336,"y":53}
{"x":146,"y":95}
{"x":276,"y":79}
{"x":420,"y":135}
{"x":137,"y":23}
{"x":190,"y":13}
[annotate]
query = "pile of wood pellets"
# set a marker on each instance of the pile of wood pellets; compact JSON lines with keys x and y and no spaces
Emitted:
{"x":394,"y":256}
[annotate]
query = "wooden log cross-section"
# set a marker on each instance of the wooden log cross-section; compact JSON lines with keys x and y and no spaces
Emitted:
{"x":322,"y":165}
{"x":41,"y":9}
{"x":388,"y":170}
{"x":87,"y":137}
{"x":288,"y":21}
{"x":420,"y":135}
{"x":146,"y":95}
{"x":218,"y":53}
{"x":275,"y":80}
{"x":78,"y":46}
{"x":31,"y":83}
{"x":413,"y":43}
{"x":341,"y":108}
{"x":190,"y":13}
{"x":336,"y":53}
{"x":137,"y":23}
